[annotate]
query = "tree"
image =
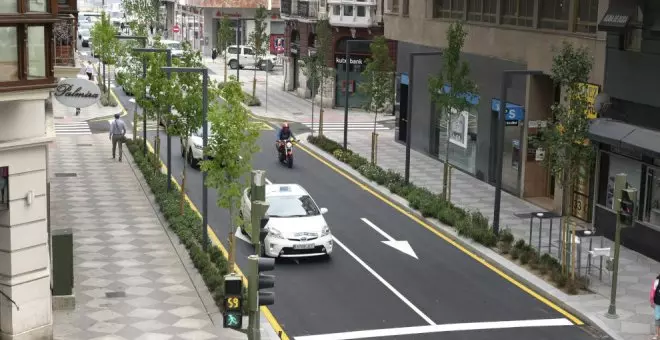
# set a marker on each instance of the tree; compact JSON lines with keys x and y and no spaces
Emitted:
{"x":160,"y":88}
{"x":106,"y":46}
{"x":378,"y":85}
{"x":451,"y":89}
{"x":232,"y":142}
{"x":259,"y":42}
{"x":310,"y":67}
{"x":566,"y":138}
{"x":187,"y":99}
{"x":225,"y":39}
{"x":143,"y":11}
{"x":323,"y":52}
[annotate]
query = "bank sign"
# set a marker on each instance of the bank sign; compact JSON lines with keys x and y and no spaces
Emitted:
{"x":77,"y":92}
{"x":513,"y":113}
{"x":353,"y":60}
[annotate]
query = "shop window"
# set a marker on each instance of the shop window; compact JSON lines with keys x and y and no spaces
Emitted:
{"x":554,"y":14}
{"x":587,"y":16}
{"x":482,"y":10}
{"x":518,"y":12}
{"x":613,"y":165}
{"x":448,"y":9}
{"x":361,"y":11}
{"x":348,"y":10}
{"x":651,"y":202}
{"x":4,"y":188}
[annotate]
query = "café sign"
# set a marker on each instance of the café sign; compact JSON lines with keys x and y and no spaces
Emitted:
{"x":77,"y":92}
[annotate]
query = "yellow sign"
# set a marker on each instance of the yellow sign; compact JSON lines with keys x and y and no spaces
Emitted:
{"x":591,"y":92}
{"x":232,"y":303}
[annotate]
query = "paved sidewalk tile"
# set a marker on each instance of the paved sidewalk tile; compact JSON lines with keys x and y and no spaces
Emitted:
{"x":636,"y":272}
{"x":132,"y":281}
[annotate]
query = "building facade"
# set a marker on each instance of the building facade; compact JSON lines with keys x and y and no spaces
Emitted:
{"x":502,"y":35}
{"x":359,"y":20}
{"x":627,"y":132}
{"x":27,"y":76}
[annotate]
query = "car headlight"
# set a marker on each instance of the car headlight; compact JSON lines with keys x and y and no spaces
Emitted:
{"x":326,"y":231}
{"x":272,"y":232}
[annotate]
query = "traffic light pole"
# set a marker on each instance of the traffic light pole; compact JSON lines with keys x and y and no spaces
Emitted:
{"x":253,"y":331}
{"x":258,"y":220}
{"x":619,"y":184}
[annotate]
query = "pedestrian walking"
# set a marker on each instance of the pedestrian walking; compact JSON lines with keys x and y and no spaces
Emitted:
{"x":89,"y":69}
{"x":655,"y":304}
{"x":117,"y":134}
{"x":214,"y":54}
{"x":151,"y":29}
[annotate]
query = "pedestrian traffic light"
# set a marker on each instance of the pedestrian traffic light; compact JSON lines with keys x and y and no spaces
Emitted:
{"x":628,"y":203}
{"x":259,"y":281}
{"x":233,"y":302}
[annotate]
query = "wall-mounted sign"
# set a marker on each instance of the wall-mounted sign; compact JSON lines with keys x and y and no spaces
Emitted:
{"x":513,"y":113}
{"x":404,"y":79}
{"x":458,"y":130}
{"x":539,"y":156}
{"x":76,"y":92}
{"x":590,"y":93}
{"x":353,"y":60}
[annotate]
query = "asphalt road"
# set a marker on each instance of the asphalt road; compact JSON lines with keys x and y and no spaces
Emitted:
{"x":367,"y":285}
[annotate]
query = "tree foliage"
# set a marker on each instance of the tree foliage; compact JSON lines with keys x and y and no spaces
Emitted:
{"x":160,"y":88}
{"x":258,"y":41}
{"x":144,"y":12}
{"x":225,"y":39}
{"x":105,"y":44}
{"x":452,"y":88}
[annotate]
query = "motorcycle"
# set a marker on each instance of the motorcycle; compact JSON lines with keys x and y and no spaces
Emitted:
{"x":285,"y":149}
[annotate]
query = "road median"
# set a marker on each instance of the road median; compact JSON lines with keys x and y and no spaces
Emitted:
{"x":387,"y":186}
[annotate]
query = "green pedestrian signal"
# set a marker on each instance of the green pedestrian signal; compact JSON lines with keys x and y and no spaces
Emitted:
{"x":232,"y":316}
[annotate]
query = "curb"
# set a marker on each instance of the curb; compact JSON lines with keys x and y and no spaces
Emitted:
{"x":486,"y":254}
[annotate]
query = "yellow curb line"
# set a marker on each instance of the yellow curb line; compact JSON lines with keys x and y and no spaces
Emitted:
{"x":524,"y":288}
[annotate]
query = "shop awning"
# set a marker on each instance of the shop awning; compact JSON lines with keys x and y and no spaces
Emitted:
{"x":618,"y":15}
{"x":623,"y":135}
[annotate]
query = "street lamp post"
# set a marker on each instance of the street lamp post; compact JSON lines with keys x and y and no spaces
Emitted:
{"x":205,"y":138}
{"x":411,"y":70}
{"x":348,"y":43}
{"x":501,"y":121}
{"x":169,"y":111}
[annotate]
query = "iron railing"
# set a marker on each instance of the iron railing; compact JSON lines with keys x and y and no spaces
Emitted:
{"x":66,"y":37}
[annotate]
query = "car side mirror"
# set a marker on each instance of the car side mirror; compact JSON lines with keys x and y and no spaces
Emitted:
{"x":324,"y":211}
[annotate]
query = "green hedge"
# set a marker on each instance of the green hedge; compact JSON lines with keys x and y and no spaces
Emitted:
{"x":212,"y":264}
{"x":469,"y":224}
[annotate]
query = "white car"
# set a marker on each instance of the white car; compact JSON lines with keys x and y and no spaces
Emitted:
{"x":84,"y":36}
{"x":243,"y":56}
{"x":175,"y":46}
{"x":296,"y":227}
{"x":195,"y":143}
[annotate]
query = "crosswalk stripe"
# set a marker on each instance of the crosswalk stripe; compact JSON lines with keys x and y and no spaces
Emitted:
{"x":73,"y":128}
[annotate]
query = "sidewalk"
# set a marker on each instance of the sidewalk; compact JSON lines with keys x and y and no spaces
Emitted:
{"x":133,"y":279}
{"x":279,"y":104}
{"x":636,"y":272}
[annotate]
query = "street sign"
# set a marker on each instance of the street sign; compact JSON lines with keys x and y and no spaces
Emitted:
{"x":175,"y":28}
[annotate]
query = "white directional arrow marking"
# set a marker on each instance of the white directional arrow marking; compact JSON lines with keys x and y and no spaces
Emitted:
{"x":402,"y":246}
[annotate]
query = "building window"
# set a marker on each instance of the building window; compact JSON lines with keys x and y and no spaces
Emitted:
{"x":36,"y":52}
{"x":336,"y":10}
{"x":348,"y":10}
{"x":651,"y":202}
{"x":361,"y":11}
{"x":448,"y":9}
{"x":586,"y":21}
{"x":4,"y":188}
{"x":405,"y":7}
{"x":9,"y":6}
{"x":392,"y":6}
{"x":8,"y":54}
{"x":615,"y":165}
{"x":518,"y":12}
{"x":40,"y":6}
{"x":482,"y":11}
{"x":554,"y":14}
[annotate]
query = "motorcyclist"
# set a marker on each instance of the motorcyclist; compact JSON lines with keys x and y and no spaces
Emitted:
{"x":283,"y":135}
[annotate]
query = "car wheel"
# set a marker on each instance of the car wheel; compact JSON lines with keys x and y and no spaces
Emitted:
{"x":183,"y":152}
{"x":193,"y":162}
{"x":233,"y":64}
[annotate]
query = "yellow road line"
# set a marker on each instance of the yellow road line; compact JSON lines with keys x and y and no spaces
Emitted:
{"x":434,"y":230}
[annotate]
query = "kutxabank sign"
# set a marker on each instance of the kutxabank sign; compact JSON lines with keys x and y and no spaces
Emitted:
{"x":77,"y":92}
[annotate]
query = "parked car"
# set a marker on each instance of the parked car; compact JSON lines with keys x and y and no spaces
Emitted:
{"x":175,"y":46}
{"x":195,"y":146}
{"x":243,"y":56}
{"x":296,"y":226}
{"x":84,"y":35}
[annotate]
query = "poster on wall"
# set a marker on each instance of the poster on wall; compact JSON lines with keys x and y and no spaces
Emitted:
{"x":458,"y":131}
{"x":277,"y":43}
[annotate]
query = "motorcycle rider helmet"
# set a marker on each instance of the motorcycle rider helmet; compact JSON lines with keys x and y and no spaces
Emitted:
{"x":285,"y":126}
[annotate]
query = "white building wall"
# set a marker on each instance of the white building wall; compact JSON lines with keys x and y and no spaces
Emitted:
{"x":24,"y":252}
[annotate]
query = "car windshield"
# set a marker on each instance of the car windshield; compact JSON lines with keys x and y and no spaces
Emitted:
{"x":174,"y":46}
{"x":199,"y":131}
{"x":291,"y":206}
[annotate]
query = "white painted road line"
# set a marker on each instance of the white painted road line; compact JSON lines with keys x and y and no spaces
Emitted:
{"x":387,"y":284}
{"x":456,"y":327}
{"x":402,"y":246}
{"x":73,"y":128}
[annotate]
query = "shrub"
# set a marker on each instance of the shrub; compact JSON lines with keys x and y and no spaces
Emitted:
{"x":533,"y":260}
{"x":525,"y":255}
{"x":251,"y":101}
{"x":106,"y":100}
{"x":520,"y":244}
{"x":506,"y":236}
{"x":572,"y":286}
{"x":515,"y":253}
{"x":504,"y":247}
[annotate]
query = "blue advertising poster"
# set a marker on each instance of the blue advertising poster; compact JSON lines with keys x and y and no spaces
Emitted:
{"x":514,"y":113}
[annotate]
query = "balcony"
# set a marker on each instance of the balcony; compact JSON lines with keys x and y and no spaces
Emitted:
{"x":353,"y":13}
{"x":65,"y":41}
{"x":301,"y":10}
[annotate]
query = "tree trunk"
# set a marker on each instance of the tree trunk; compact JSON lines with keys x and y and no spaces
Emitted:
{"x":321,"y":103}
{"x":254,"y":83}
{"x":225,"y":58}
{"x":183,"y":180}
{"x":445,"y":168}
{"x":108,"y":84}
{"x":157,"y":138}
{"x":231,"y":261}
{"x":567,"y":189}
{"x":374,"y":140}
{"x":103,"y":77}
{"x":312,"y":110}
{"x":135,"y":120}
